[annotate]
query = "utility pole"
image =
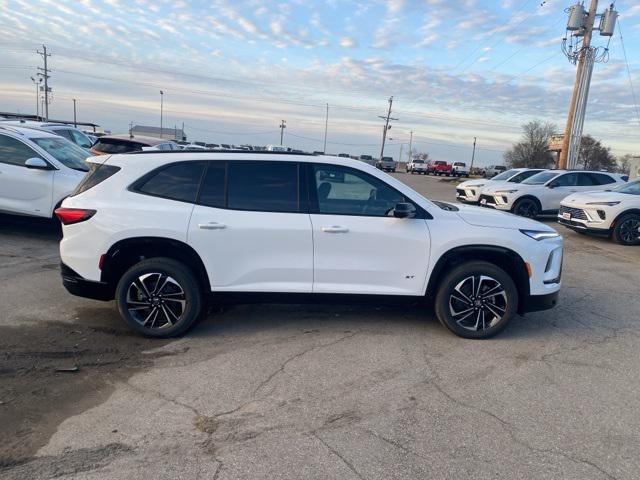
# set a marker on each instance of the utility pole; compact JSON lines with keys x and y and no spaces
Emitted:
{"x":45,"y":75}
{"x":75,"y":123}
{"x":410,"y":146}
{"x":326,"y":124}
{"x":283,"y":125}
{"x":386,"y":125}
{"x":130,"y":130}
{"x":161,"y":107}
{"x":473,"y":154}
{"x":581,"y":26}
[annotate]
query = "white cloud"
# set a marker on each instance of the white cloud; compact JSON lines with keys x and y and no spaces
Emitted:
{"x":347,"y":42}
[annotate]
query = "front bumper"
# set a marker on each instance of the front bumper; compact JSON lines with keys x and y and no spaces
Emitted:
{"x":536,"y":303}
{"x":81,"y":287}
{"x":578,"y":226}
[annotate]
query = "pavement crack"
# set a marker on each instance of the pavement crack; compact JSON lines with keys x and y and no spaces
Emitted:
{"x":339,"y":455}
{"x":509,"y":428}
{"x":282,"y":367}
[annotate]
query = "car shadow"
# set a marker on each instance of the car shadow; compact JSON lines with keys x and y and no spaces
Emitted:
{"x":30,"y":227}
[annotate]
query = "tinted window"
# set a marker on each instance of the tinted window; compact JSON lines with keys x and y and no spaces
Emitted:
{"x":212,"y":192}
{"x":346,"y":191}
{"x":632,"y":188}
{"x":114,"y":145}
{"x":176,"y":182}
{"x":14,"y":152}
{"x":505,"y":175}
{"x":81,"y":139}
{"x":540,"y":178}
{"x":568,"y":180}
{"x":601,"y":179}
{"x":63,"y":132}
{"x":521,"y":176}
{"x":586,"y":180}
{"x":263,"y":186}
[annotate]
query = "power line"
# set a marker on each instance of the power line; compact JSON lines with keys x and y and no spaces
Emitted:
{"x":626,"y":61}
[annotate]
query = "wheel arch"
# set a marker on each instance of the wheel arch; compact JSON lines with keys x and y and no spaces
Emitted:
{"x":125,"y":253}
{"x":529,"y":197}
{"x":623,"y":213}
{"x":505,"y":258}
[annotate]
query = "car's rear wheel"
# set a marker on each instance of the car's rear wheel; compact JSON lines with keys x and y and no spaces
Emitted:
{"x":526,"y":207}
{"x":476,"y":300}
{"x":159,"y":297}
{"x":627,"y":230}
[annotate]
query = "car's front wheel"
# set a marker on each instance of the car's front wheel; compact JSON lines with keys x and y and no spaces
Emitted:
{"x":627,"y":230}
{"x":476,"y":300}
{"x":159,"y":297}
{"x":526,"y":207}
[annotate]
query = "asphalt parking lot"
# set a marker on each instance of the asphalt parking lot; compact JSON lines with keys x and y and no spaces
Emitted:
{"x":291,"y":392}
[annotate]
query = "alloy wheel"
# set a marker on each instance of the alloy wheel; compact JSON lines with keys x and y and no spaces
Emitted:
{"x":526,"y":208}
{"x":630,"y":230}
{"x":156,"y":301}
{"x":478,"y":302}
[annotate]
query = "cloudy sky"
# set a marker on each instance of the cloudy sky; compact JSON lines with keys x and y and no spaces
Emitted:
{"x":231,"y":70}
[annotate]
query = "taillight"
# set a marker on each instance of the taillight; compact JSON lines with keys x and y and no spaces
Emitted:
{"x":70,"y":216}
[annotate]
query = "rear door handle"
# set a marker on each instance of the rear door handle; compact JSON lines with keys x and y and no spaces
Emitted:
{"x":335,"y":229}
{"x":212,"y":226}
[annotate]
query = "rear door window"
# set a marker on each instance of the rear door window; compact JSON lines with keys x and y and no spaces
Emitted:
{"x":602,"y":179}
{"x":263,"y":186}
{"x":178,"y":181}
{"x":213,"y":191}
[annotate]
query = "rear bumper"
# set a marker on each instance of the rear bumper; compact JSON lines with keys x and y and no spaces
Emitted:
{"x":81,"y":287}
{"x":536,"y":303}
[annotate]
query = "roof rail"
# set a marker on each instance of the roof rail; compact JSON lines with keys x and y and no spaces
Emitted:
{"x":250,"y":152}
{"x":11,"y":129}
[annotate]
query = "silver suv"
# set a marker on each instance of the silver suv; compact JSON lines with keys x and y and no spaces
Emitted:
{"x":62,"y":129}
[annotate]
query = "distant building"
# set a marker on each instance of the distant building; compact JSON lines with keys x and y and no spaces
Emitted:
{"x":166,"y":133}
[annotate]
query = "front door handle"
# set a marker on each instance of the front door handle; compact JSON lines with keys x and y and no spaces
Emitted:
{"x":335,"y":229}
{"x":212,"y":226}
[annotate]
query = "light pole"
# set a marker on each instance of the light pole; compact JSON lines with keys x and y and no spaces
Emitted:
{"x":283,"y":125}
{"x":161,"y":108}
{"x":75,"y":123}
{"x":37,"y":84}
{"x":473,"y":154}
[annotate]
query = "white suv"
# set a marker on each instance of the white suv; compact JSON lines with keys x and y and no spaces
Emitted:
{"x":160,"y":231}
{"x":37,"y":170}
{"x":543,"y":192}
{"x":469,"y":191}
{"x":614,"y":212}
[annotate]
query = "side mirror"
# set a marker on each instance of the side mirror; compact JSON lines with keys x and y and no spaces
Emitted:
{"x":37,"y":164}
{"x":552,"y":185}
{"x":404,"y":210}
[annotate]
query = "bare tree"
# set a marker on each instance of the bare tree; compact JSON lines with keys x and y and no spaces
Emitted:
{"x":624,"y":164}
{"x":533,"y":149}
{"x":422,"y":156}
{"x":595,"y":156}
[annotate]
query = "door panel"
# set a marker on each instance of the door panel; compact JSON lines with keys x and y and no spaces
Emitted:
{"x":23,"y":190}
{"x":253,"y":251}
{"x":358,"y":247}
{"x":369,"y":255}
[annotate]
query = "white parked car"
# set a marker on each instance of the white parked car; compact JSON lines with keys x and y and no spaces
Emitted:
{"x":417,"y":165}
{"x":67,"y":131}
{"x":37,"y":170}
{"x":159,"y":232}
{"x":614,"y":213}
{"x":469,"y":191}
{"x":543,"y":192}
{"x":459,"y":169}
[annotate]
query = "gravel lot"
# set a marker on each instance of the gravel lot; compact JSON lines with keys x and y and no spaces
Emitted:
{"x":290,"y":392}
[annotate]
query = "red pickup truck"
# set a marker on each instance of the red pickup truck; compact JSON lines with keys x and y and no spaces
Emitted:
{"x":439,"y":167}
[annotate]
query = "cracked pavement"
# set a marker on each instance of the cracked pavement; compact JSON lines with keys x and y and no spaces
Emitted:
{"x":349,"y":392}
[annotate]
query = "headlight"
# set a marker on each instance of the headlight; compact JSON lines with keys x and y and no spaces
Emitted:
{"x":506,"y":191}
{"x":606,"y":204}
{"x":538,"y":235}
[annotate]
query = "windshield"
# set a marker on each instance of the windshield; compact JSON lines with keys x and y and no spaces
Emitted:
{"x":366,"y":157}
{"x":67,"y":153}
{"x":387,"y":159}
{"x":540,"y":178}
{"x":505,"y":175}
{"x":632,"y":188}
{"x":460,"y":164}
{"x":440,"y":162}
{"x":418,"y":161}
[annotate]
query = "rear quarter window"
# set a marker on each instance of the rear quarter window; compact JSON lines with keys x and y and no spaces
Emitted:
{"x":178,"y":181}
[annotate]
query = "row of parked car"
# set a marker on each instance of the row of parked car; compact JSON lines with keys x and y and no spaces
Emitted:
{"x":586,"y":201}
{"x":437,"y":167}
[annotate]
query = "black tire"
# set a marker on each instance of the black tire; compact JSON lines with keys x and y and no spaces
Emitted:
{"x":451,"y":303}
{"x":626,"y":230}
{"x":526,"y":207}
{"x":176,"y":297}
